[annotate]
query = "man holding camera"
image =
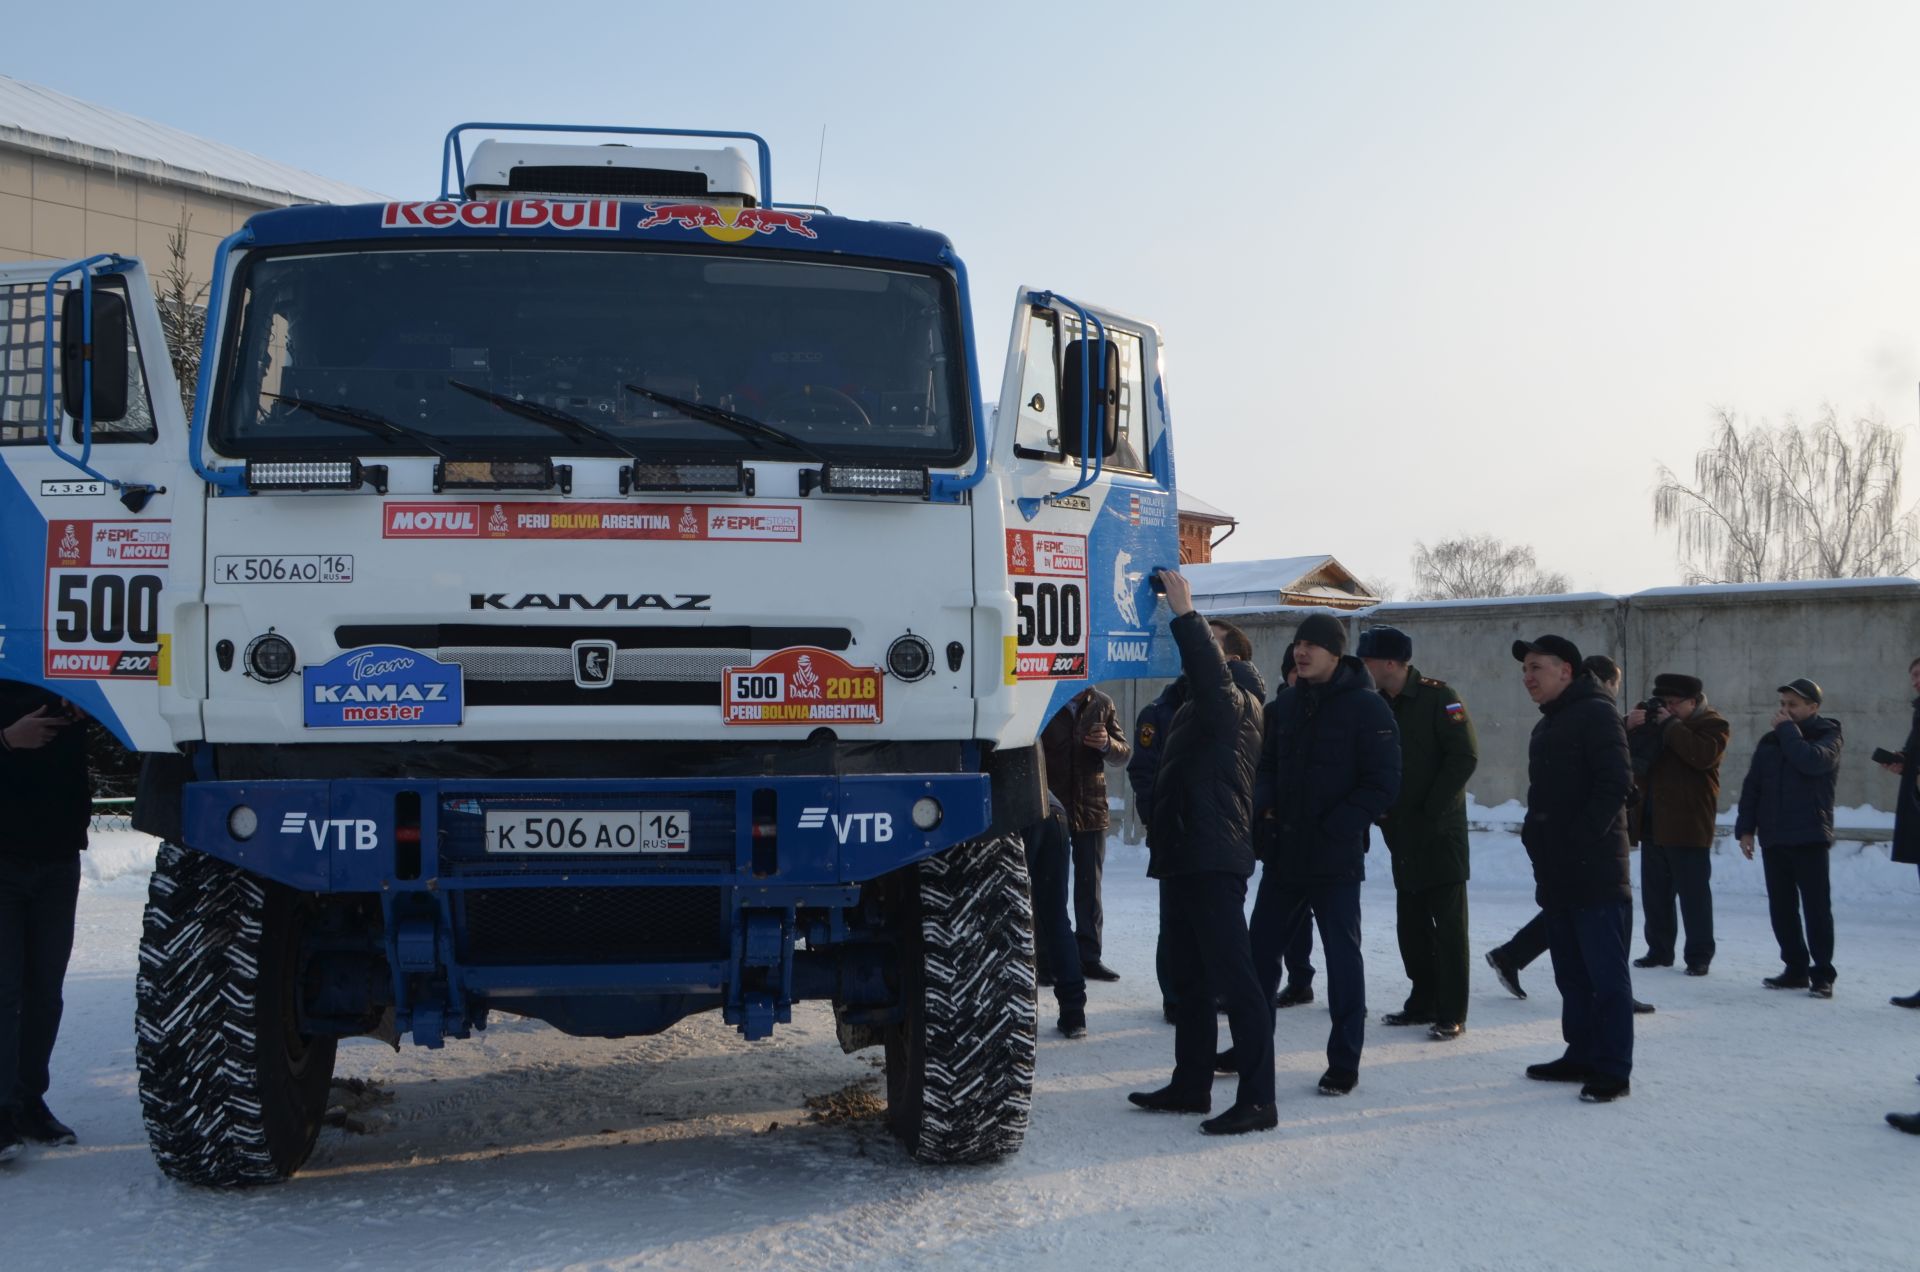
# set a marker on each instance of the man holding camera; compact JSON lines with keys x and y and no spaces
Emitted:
{"x":1082,"y":738}
{"x":1677,"y":741}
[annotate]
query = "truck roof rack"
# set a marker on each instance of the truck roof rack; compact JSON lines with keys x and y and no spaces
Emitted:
{"x":453,"y":163}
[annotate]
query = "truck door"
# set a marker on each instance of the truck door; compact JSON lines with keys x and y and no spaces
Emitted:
{"x":87,"y":506}
{"x":1082,"y":435}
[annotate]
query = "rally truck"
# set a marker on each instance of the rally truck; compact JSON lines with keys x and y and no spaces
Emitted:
{"x":599,"y":593}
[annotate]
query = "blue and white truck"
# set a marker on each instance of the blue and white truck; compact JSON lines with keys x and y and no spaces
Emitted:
{"x":595,"y":594}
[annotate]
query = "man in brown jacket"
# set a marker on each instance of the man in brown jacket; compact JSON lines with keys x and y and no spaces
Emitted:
{"x":1082,"y":738}
{"x":1677,"y":741}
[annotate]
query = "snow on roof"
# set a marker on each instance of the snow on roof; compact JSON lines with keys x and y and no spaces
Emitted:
{"x":1219,"y":578}
{"x":44,"y":122}
{"x":1797,"y":585}
{"x":1194,"y":506}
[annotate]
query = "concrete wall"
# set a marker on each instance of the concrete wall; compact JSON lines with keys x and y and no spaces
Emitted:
{"x":1855,"y":637}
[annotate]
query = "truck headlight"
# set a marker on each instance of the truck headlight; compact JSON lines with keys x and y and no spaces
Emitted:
{"x":927,"y":812}
{"x":242,"y":822}
{"x":910,"y":658}
{"x":269,"y":658}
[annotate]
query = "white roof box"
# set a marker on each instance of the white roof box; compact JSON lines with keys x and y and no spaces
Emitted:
{"x":519,"y":170}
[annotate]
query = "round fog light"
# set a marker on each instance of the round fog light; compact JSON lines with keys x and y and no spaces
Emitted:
{"x":910,"y":658}
{"x":242,"y":822}
{"x":926,"y":812}
{"x":269,"y":658}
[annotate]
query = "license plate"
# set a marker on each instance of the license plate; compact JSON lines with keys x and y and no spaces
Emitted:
{"x":328,"y":568}
{"x":615,"y":830}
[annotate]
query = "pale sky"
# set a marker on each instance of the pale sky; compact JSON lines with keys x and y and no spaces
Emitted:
{"x":1422,"y":269}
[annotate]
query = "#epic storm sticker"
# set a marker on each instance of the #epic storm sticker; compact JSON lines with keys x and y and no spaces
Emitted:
{"x":103,"y":599}
{"x":803,"y":685}
{"x":1049,"y":577}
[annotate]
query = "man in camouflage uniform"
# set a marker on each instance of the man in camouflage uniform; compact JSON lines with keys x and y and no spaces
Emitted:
{"x":1426,"y":831}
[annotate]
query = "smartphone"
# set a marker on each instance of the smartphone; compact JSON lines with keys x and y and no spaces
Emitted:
{"x":1155,"y":582}
{"x":1883,"y":756}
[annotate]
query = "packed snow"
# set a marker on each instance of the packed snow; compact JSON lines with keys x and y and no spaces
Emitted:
{"x":1753,"y":1138}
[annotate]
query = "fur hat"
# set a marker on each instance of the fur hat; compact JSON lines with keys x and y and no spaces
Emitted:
{"x":1385,"y":642}
{"x":1674,"y":684}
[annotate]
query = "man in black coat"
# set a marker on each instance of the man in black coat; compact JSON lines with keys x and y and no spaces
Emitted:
{"x":1049,"y":847}
{"x":1578,"y":780}
{"x":1787,"y":800}
{"x":1082,"y":739}
{"x":1329,"y":769}
{"x":1906,"y":802}
{"x":45,"y":805}
{"x":1199,"y":847}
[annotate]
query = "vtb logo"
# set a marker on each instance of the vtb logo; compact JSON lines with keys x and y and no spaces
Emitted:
{"x":863,"y":828}
{"x":360,"y":833}
{"x":593,"y":663}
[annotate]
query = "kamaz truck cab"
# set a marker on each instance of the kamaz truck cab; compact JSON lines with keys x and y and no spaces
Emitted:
{"x":596,"y":594}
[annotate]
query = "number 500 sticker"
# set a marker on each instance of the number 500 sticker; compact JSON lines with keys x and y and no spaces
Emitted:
{"x":103,"y":598}
{"x":1049,"y":578}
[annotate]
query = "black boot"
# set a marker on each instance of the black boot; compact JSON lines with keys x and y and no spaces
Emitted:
{"x":1338,"y":1081}
{"x":1293,"y":996}
{"x":1168,"y":1100}
{"x":1648,"y":960}
{"x":1643,"y":1009}
{"x":37,"y":1123}
{"x":1908,"y":1122}
{"x":1073,"y":1024}
{"x":1446,"y":1030}
{"x":1226,"y":1062}
{"x":1906,"y":1000}
{"x":1406,"y":1018}
{"x":1094,"y":969}
{"x":1242,"y":1118}
{"x":1561,"y":1070}
{"x":11,"y":1145}
{"x":1507,"y":971}
{"x":1604,"y":1088}
{"x":1786,"y":980}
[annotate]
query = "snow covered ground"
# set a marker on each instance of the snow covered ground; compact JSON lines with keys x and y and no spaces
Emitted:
{"x":1753,"y":1138}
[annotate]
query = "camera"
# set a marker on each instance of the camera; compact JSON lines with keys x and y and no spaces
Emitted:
{"x":1654,"y":708}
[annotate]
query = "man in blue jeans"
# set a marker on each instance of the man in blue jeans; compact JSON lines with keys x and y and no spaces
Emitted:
{"x":1578,"y":780}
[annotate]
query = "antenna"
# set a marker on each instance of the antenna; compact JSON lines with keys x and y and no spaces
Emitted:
{"x":819,"y":163}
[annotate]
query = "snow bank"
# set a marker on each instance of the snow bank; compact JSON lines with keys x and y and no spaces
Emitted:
{"x":114,"y":854}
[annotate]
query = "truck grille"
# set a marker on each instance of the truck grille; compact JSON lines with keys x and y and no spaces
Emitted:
{"x":597,"y":925}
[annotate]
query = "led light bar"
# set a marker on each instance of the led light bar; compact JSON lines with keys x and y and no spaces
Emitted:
{"x":501,"y":474}
{"x":732,"y":476}
{"x":308,"y":474}
{"x":837,"y":479}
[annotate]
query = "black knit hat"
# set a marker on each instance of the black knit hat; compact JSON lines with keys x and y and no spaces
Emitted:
{"x":1674,"y":684}
{"x":1286,"y":662}
{"x":1555,"y":646}
{"x":1808,"y":689}
{"x":1323,"y":630}
{"x":1385,"y":642}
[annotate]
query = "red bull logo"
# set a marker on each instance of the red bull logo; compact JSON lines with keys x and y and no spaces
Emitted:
{"x":729,"y":225}
{"x":511,"y":214}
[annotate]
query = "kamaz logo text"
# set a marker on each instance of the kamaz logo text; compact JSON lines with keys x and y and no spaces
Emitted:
{"x":512,"y":214}
{"x":363,"y":832}
{"x":581,"y":601}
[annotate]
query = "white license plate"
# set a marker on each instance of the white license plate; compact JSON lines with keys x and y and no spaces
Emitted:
{"x":618,"y":830}
{"x":326,"y":568}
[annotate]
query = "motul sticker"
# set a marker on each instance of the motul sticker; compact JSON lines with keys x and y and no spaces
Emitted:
{"x":1048,"y":575}
{"x":508,"y":214}
{"x":802,"y":685}
{"x":103,"y":599}
{"x":688,"y":522}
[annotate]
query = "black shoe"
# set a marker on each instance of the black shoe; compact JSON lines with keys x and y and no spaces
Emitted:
{"x":1506,"y":972}
{"x":1096,"y":970}
{"x":1908,"y":1122}
{"x":11,"y":1145}
{"x":1446,"y":1030}
{"x":1696,"y":969}
{"x":1226,"y":1062}
{"x":1561,"y":1070}
{"x":1242,"y":1118}
{"x":1405,"y":1018}
{"x":1786,"y":980}
{"x":1339,"y":1081}
{"x":1073,"y":1024}
{"x":1648,"y":960}
{"x":38,"y":1124}
{"x":1910,"y":1000}
{"x":1294,"y":996}
{"x":1643,"y":1009}
{"x":1604,"y":1088}
{"x":1820,"y":989}
{"x":1167,"y":1100}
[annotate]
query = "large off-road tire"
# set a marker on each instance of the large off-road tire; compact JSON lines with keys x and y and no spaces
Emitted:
{"x":232,"y":1091}
{"x":960,"y":1067}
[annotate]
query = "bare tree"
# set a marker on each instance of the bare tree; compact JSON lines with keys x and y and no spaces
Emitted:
{"x":1479,"y":565}
{"x":183,"y":313}
{"x":1791,"y":502}
{"x":1380,"y":587}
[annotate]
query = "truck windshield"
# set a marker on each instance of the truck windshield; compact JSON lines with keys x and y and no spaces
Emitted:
{"x":656,"y":349}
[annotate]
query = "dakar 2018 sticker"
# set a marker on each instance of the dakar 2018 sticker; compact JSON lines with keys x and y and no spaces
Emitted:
{"x":103,"y":599}
{"x":803,"y":685}
{"x":763,"y":523}
{"x":1048,"y":573}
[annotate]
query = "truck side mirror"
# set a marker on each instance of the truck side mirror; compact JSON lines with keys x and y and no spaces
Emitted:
{"x":109,"y":350}
{"x":1103,"y":420}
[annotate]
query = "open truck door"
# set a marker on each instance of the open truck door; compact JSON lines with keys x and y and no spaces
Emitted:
{"x":1082,"y":437}
{"x":93,"y":440}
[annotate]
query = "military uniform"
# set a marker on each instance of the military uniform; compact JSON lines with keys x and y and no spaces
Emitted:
{"x":1426,"y":832}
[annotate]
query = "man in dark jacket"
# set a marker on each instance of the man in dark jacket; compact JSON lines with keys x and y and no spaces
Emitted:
{"x":1199,"y":847}
{"x":1676,"y":741}
{"x":1578,"y":779}
{"x":1426,"y":832}
{"x":1048,"y":845}
{"x":1149,"y":731}
{"x":1787,"y":800}
{"x":1082,"y":738}
{"x":45,"y":805}
{"x":1329,"y":769}
{"x":1906,"y":802}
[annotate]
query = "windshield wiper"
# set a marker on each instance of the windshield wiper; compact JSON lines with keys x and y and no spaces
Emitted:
{"x":552,"y":416}
{"x":734,"y":422}
{"x":365,"y":421}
